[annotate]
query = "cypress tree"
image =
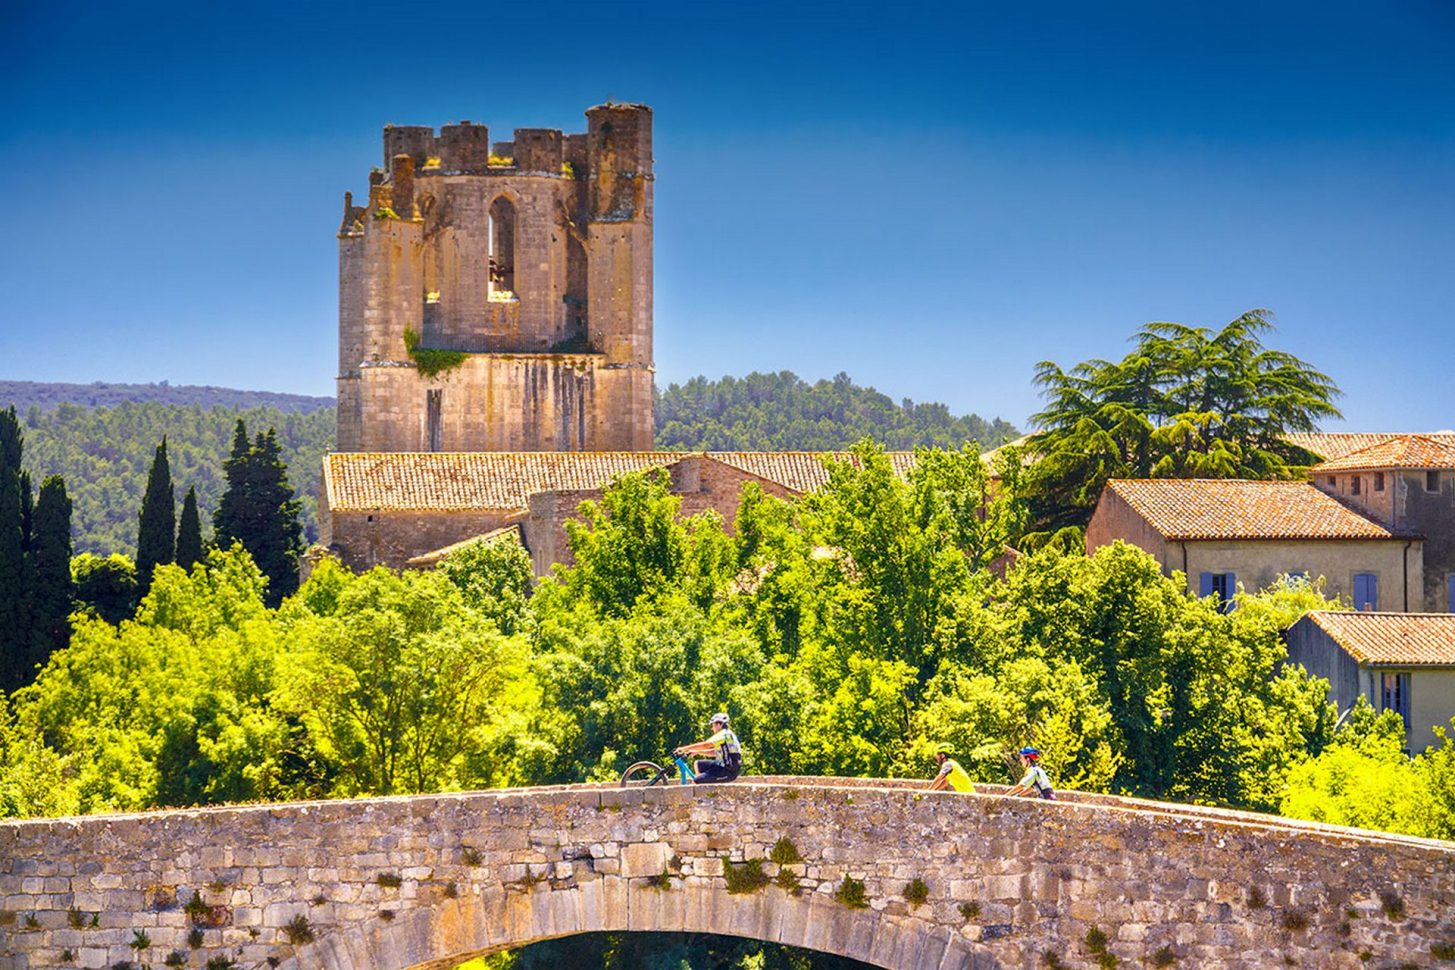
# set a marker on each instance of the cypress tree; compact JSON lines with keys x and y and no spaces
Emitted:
{"x":27,"y":510}
{"x":156,"y":539}
{"x":280,"y":538}
{"x":14,"y":639}
{"x":234,"y":519}
{"x":189,"y":532}
{"x":50,"y":573}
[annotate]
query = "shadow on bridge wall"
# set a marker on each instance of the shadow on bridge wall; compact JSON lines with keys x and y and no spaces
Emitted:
{"x":501,"y":920}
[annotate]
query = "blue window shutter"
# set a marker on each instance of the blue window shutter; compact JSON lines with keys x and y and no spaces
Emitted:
{"x":1366,"y":591}
{"x":1205,"y":587}
{"x":1232,"y":591}
{"x":1452,"y":594}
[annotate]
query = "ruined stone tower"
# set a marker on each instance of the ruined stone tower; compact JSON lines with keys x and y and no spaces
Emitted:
{"x":532,"y":260}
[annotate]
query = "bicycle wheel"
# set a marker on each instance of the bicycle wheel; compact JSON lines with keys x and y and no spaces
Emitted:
{"x":643,"y":773}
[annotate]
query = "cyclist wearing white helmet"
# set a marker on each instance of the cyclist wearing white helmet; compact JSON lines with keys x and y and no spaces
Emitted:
{"x":723,"y":745}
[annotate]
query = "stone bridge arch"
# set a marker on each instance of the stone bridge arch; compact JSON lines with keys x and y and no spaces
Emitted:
{"x":425,"y":881}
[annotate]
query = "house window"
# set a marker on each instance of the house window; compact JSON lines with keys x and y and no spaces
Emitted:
{"x":1366,"y":591}
{"x":1394,"y":695}
{"x":434,"y":422}
{"x":1354,"y":485}
{"x":1333,"y":481}
{"x":1432,"y":481}
{"x":1379,"y":481}
{"x":1221,"y":585}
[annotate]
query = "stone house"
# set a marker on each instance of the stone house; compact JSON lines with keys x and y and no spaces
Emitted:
{"x":401,"y":509}
{"x":1402,"y":662}
{"x":1405,"y":482}
{"x":1222,"y":532}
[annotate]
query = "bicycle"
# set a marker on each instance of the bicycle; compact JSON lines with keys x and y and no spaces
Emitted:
{"x":645,"y":773}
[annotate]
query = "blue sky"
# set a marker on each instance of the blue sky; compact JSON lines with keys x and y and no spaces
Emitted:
{"x":929,"y":197}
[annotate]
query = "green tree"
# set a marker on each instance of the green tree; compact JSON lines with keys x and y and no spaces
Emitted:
{"x":189,"y":532}
{"x":14,"y":624}
{"x":399,"y":681}
{"x":495,"y":578}
{"x":1185,"y":403}
{"x":105,"y":586}
{"x":258,"y":510}
{"x":50,"y":572}
{"x":156,"y":541}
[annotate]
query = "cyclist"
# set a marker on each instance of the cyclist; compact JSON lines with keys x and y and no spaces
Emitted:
{"x":1035,"y":780}
{"x":724,"y":745}
{"x":951,"y":774}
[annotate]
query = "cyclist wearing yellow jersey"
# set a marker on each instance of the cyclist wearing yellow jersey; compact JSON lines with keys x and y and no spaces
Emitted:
{"x":951,"y":775}
{"x":724,"y":746}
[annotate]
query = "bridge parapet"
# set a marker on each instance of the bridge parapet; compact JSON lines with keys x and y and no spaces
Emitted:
{"x":944,"y":880}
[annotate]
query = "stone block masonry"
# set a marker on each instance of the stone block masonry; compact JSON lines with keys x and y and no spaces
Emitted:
{"x":429,"y":881}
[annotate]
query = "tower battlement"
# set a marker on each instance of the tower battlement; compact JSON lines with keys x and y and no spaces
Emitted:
{"x":532,"y":258}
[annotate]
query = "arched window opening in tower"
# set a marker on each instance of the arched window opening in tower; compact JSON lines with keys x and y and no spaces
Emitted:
{"x":502,"y":250}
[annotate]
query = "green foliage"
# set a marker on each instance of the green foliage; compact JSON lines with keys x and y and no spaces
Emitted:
{"x":744,"y":877}
{"x":157,"y":529}
{"x":1185,"y":403}
{"x":259,"y":510}
{"x":916,"y":892}
{"x":189,"y":532}
{"x":430,"y":361}
{"x":49,"y":572}
{"x":1364,"y":778}
{"x":495,"y":579}
{"x":781,"y":412}
{"x":851,"y":893}
{"x":401,"y":684}
{"x":784,"y":852}
{"x":15,"y":646}
{"x":104,"y":454}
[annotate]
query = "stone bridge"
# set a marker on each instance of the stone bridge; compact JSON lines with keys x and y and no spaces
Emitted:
{"x":882,"y":872}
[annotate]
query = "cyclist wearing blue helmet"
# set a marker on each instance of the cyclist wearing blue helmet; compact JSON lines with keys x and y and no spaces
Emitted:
{"x":1035,"y":781}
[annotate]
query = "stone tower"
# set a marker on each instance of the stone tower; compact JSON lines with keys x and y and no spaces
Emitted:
{"x":531,"y":261}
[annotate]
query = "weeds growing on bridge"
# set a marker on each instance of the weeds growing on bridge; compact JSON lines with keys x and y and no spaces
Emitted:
{"x":140,"y":941}
{"x":1096,"y":942}
{"x":744,"y":877}
{"x":1164,"y":957}
{"x":970,"y":911}
{"x":299,"y":930}
{"x":1442,"y":951}
{"x":390,"y":880}
{"x":1295,"y":920}
{"x":1392,"y":905}
{"x":916,"y":893}
{"x":470,"y":855}
{"x":1256,"y":899}
{"x":851,"y":893}
{"x":784,"y":852}
{"x":175,"y":959}
{"x":194,"y":938}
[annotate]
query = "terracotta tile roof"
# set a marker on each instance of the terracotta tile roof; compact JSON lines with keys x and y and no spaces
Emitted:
{"x":469,"y":481}
{"x":1400,"y":451}
{"x":1181,"y":508}
{"x":474,"y":481}
{"x":508,"y":533}
{"x":1338,"y":444}
{"x":1414,"y":639}
{"x":799,"y":471}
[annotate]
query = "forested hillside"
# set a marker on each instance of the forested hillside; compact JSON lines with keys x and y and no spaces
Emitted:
{"x":783,"y":412}
{"x":101,"y":437}
{"x":27,"y":394}
{"x":104,"y":455}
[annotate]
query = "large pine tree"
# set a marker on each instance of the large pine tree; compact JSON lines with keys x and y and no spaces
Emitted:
{"x":156,"y":538}
{"x":259,"y":510}
{"x":49,"y":574}
{"x":189,"y":532}
{"x":14,"y":625}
